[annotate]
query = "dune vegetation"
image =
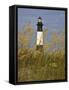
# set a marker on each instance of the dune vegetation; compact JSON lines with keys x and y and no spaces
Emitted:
{"x":34,"y":65}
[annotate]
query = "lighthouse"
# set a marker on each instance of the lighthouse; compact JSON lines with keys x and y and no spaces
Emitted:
{"x":39,"y":41}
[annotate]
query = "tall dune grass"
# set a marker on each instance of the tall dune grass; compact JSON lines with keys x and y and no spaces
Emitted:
{"x":34,"y":65}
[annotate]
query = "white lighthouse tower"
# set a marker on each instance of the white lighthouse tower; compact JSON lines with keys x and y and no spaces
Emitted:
{"x":39,"y":40}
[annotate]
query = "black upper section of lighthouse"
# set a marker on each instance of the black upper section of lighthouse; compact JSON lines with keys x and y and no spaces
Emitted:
{"x":39,"y":24}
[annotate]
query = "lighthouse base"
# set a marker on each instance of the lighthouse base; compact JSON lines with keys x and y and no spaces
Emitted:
{"x":39,"y":47}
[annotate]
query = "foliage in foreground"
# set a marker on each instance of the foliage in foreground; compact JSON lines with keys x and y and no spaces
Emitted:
{"x":35,"y":65}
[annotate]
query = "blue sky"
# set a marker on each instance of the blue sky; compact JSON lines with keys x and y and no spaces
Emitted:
{"x":53,"y":20}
